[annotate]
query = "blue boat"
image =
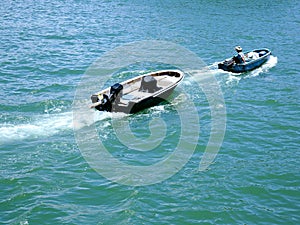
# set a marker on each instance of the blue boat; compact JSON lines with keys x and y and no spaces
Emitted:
{"x":253,"y":60}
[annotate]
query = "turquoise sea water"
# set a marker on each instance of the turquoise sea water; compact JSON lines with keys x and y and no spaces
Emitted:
{"x":46,"y":48}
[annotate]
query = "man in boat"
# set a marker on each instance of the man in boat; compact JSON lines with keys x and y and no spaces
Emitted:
{"x":102,"y":104}
{"x":240,"y":58}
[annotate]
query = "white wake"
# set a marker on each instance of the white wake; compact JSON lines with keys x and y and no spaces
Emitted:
{"x":39,"y":126}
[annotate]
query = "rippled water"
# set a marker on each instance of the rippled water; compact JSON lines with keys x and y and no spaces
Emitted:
{"x":47,"y":46}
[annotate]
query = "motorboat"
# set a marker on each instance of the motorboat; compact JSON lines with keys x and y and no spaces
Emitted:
{"x":138,"y":93}
{"x":253,"y":60}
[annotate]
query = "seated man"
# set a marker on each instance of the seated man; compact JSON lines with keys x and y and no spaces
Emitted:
{"x":102,"y":104}
{"x":240,"y":58}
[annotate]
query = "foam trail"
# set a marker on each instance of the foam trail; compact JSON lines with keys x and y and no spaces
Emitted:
{"x":264,"y":68}
{"x":48,"y":125}
{"x":213,"y":66}
{"x":40,"y":126}
{"x":232,"y":80}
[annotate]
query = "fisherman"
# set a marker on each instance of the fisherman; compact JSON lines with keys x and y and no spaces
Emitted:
{"x":240,"y":58}
{"x":101,"y":103}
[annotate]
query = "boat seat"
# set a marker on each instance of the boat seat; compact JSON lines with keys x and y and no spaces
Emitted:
{"x":149,"y":85}
{"x":261,"y":53}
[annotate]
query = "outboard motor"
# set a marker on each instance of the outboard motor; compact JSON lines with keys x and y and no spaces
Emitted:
{"x":116,"y":92}
{"x":107,"y":102}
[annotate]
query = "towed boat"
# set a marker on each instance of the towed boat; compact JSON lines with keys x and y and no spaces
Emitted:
{"x":253,"y":60}
{"x":137,"y":93}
